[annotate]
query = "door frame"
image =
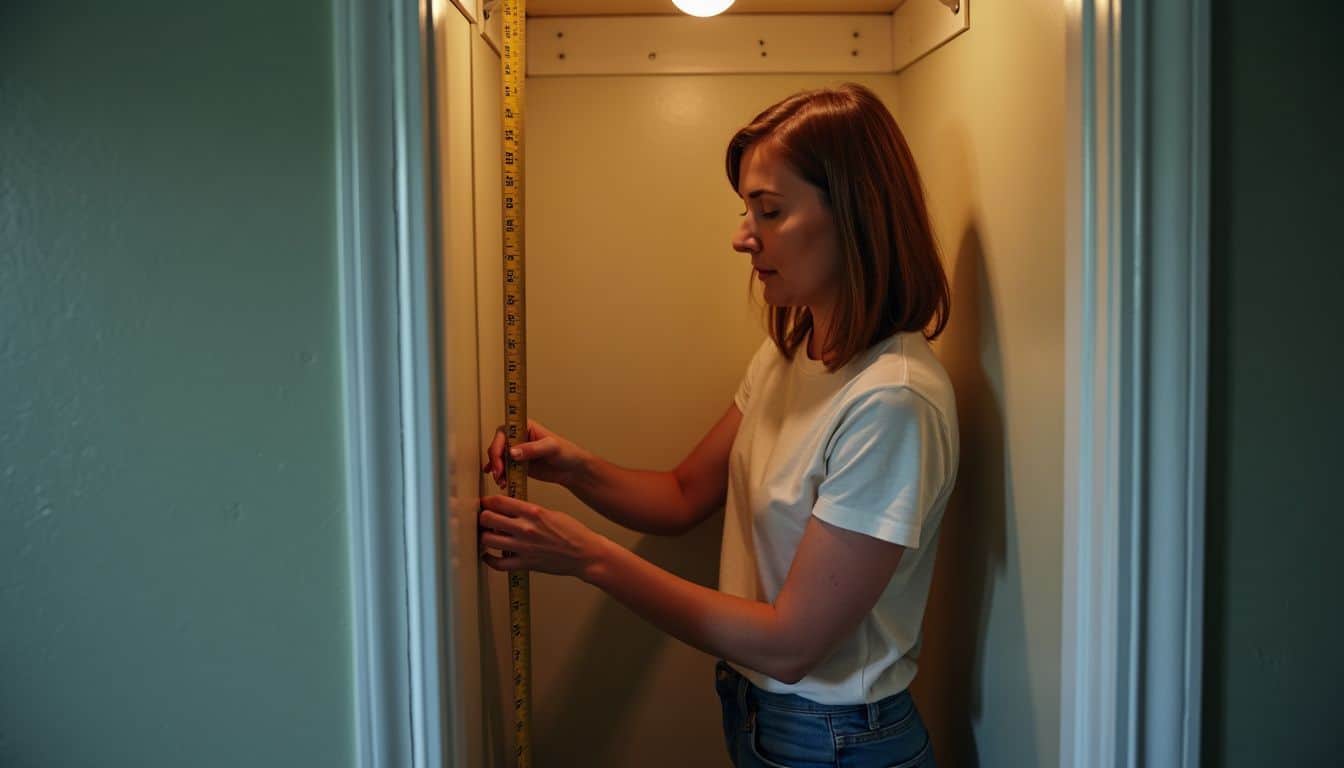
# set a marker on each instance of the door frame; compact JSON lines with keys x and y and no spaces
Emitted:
{"x":1137,"y":367}
{"x":1137,"y":370}
{"x":403,"y":707}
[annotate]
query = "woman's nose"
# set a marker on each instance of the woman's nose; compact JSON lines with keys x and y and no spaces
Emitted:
{"x":744,"y":241}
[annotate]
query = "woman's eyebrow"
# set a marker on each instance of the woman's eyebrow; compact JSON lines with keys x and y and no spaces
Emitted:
{"x":758,"y":192}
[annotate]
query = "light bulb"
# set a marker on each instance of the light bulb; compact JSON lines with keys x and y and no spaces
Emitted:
{"x":703,"y":7}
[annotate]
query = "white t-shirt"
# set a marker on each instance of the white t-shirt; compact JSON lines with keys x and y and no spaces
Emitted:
{"x":870,"y":448}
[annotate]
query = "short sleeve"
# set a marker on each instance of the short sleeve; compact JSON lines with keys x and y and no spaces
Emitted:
{"x":749,"y":379}
{"x":886,"y":466}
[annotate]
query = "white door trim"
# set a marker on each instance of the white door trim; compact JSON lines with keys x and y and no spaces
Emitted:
{"x":1138,"y":190}
{"x":379,"y":55}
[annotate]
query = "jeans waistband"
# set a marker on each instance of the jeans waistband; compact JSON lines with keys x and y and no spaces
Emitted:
{"x":796,"y":703}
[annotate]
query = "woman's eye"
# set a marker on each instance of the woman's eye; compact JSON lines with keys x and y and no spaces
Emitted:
{"x":764,"y":214}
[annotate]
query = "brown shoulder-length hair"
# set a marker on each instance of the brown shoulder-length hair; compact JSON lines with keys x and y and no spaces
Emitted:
{"x":844,"y":142}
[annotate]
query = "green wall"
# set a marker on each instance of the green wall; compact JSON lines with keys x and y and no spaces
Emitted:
{"x":1275,"y":519}
{"x":173,"y":547}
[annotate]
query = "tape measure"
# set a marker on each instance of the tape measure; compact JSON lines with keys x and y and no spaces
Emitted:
{"x":515,"y":362}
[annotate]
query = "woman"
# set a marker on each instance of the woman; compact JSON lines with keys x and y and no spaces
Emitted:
{"x":834,"y":460}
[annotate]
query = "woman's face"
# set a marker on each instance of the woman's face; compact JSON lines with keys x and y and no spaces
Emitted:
{"x":788,"y":231}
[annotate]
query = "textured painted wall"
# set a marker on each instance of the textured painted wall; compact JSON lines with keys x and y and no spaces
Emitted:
{"x":985,"y":118}
{"x":173,"y":566}
{"x":1273,"y":634}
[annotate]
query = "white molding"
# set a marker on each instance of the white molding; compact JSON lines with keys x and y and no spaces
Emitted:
{"x":411,"y":47}
{"x":467,"y":8}
{"x":663,"y":45}
{"x":382,"y":223}
{"x":919,"y":27}
{"x":382,"y":716}
{"x":1173,"y":235}
{"x":1090,"y":682}
{"x":1137,"y":381}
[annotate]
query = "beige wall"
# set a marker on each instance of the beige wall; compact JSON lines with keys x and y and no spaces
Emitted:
{"x":639,"y":328}
{"x":985,"y":118}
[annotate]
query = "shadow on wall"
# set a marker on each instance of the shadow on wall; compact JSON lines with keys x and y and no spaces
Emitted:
{"x":971,"y":549}
{"x":611,"y":672}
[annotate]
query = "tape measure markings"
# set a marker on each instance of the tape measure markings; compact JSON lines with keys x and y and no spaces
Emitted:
{"x":515,"y":359}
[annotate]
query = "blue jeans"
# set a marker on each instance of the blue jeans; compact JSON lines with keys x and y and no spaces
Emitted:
{"x":782,"y":730}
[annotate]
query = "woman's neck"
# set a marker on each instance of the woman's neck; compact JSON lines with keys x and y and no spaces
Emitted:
{"x":821,"y":327}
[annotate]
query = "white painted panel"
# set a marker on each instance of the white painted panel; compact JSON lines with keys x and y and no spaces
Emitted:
{"x":459,"y":378}
{"x":920,"y":26}
{"x":632,"y":45}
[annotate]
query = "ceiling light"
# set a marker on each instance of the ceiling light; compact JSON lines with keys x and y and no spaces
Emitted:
{"x":703,"y":7}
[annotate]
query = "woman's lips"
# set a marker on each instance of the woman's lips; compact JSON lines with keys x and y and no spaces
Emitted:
{"x":763,"y":273}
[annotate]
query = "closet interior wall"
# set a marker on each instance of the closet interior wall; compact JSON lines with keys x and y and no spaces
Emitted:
{"x":640,"y":323}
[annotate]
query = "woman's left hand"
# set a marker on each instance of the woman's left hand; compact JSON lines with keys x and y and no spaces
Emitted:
{"x":534,"y":538}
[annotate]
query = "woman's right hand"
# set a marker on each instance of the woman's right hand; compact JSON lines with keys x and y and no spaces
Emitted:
{"x":550,"y":457}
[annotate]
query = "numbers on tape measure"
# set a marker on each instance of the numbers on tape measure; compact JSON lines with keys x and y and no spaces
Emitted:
{"x":515,"y":364}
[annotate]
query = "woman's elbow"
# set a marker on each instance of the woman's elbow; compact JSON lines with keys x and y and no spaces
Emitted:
{"x":793,"y":669}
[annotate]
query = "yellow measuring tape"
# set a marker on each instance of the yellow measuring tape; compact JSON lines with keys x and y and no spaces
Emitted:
{"x":515,"y":362}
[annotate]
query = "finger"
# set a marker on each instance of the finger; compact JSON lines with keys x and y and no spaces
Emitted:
{"x":496,"y":450}
{"x":497,"y":522}
{"x":502,"y":563}
{"x":507,"y":505}
{"x":496,"y":541}
{"x":515,"y":508}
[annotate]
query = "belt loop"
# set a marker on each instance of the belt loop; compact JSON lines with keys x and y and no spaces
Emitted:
{"x":742,"y":702}
{"x":873,"y":719}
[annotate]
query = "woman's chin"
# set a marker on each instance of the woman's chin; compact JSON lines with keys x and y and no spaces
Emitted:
{"x":779,"y":301}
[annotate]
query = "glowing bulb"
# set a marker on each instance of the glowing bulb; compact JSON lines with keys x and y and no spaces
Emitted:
{"x":703,"y":7}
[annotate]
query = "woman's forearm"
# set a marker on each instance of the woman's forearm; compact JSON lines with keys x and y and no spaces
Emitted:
{"x":642,"y":500}
{"x":743,"y":631}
